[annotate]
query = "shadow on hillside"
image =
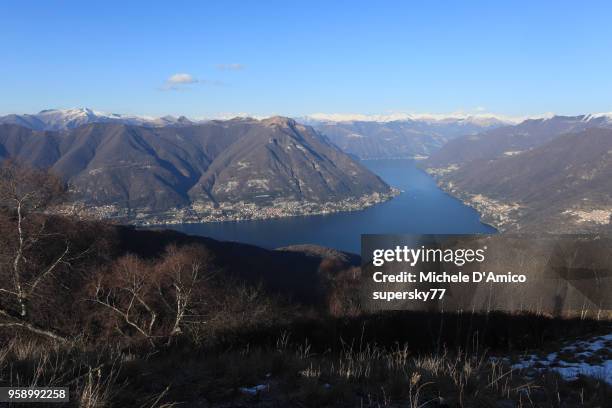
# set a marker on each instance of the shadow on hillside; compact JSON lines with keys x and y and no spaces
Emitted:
{"x":292,"y":274}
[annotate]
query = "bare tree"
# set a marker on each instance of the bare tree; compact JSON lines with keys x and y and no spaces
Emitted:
{"x":153,"y":299}
{"x":180,"y":274}
{"x":25,"y":192}
{"x":126,"y":291}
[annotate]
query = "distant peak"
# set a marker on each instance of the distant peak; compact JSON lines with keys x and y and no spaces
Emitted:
{"x":70,"y":111}
{"x":602,"y":115}
{"x":279,"y":121}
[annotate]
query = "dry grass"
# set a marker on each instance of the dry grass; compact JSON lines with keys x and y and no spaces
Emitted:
{"x":358,"y":374}
{"x":92,"y":380}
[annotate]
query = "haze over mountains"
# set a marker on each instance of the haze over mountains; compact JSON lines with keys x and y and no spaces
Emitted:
{"x":217,"y":170}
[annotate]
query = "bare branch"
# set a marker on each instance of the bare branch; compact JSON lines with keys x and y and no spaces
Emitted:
{"x":18,"y":322}
{"x":50,"y":269}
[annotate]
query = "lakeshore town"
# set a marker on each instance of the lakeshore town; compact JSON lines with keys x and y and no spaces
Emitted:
{"x":201,"y":212}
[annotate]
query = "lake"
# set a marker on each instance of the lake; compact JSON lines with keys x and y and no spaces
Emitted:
{"x":421,"y":208}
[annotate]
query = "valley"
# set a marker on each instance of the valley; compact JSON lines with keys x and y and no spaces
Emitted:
{"x":421,"y":207}
{"x":178,"y":171}
{"x":276,"y":210}
{"x":305,"y":204}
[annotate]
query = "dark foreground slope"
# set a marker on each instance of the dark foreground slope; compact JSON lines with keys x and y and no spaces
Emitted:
{"x":257,"y":332}
{"x":218,"y":170}
{"x":296,"y":273}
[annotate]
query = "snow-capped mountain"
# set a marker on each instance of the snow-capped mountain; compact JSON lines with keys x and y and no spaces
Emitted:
{"x":62,"y":119}
{"x":478,"y":119}
{"x":603,"y":118}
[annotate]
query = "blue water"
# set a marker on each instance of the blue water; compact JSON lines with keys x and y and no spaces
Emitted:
{"x":422,"y":208}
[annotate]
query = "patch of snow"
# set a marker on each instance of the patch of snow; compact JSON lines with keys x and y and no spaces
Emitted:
{"x":571,"y":370}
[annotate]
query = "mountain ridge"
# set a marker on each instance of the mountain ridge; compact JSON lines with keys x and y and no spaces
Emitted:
{"x":558,"y":180}
{"x":509,"y":140}
{"x":219,"y":170}
{"x":409,"y":138}
{"x":63,"y":119}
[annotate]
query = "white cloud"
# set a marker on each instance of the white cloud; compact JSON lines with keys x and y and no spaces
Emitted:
{"x":230,"y":67}
{"x":181,"y":79}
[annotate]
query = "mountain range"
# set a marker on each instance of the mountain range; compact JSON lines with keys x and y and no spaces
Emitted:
{"x":62,"y":119}
{"x":513,"y":139}
{"x":399,"y":137}
{"x":551,"y":175}
{"x":546,"y":174}
{"x":217,"y":170}
{"x":392,"y":136}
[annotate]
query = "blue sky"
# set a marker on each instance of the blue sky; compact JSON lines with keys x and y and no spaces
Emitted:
{"x":295,"y":58}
